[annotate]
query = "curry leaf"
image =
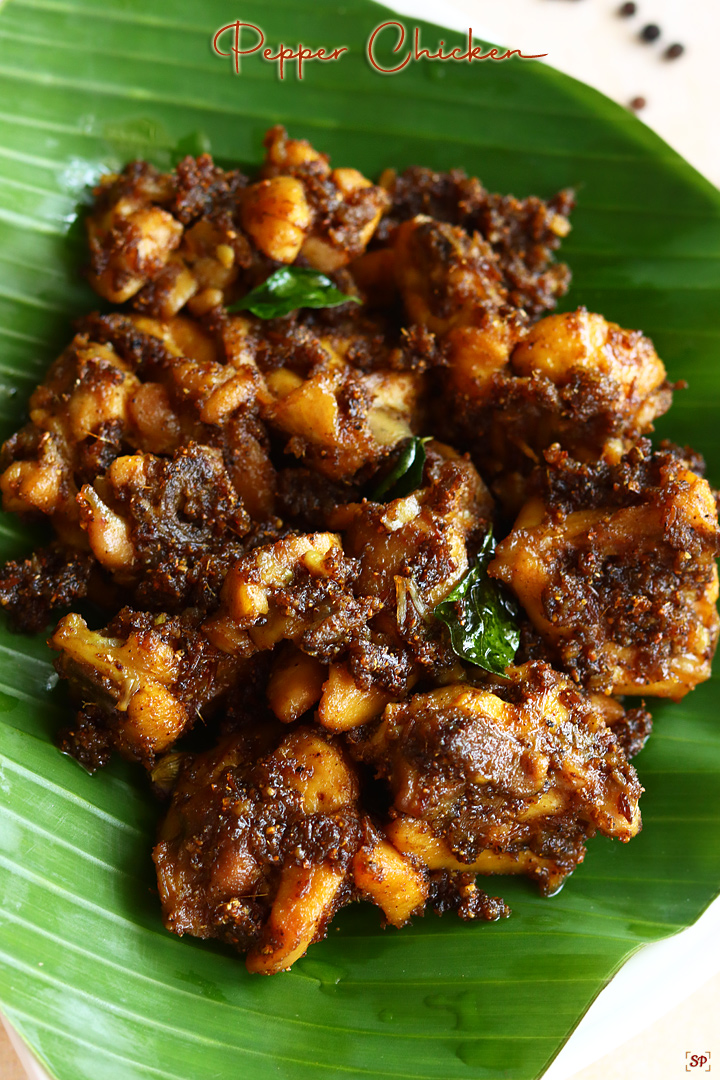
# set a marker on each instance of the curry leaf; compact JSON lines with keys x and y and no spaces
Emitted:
{"x":407,"y":473}
{"x":481,"y":617}
{"x":290,"y":288}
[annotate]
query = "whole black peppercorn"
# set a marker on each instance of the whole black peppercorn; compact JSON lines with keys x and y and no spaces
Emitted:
{"x":628,"y":9}
{"x":673,"y":51}
{"x":651,"y":32}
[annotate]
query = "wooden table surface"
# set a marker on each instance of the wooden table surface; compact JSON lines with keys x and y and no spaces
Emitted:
{"x":658,"y":1053}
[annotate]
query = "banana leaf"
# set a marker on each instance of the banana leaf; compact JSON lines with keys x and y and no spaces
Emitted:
{"x":89,"y":976}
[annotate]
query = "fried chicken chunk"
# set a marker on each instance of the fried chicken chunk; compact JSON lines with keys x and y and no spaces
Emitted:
{"x":79,"y":419}
{"x":304,"y":208}
{"x":523,"y":233}
{"x":143,"y":681}
{"x":296,"y":589}
{"x":411,"y":551}
{"x":615,"y":568}
{"x":511,"y":777}
{"x":168,"y":528}
{"x":337,"y":419}
{"x":446,"y":278}
{"x":258,"y":844}
{"x":574,"y":379}
{"x":199,"y":386}
{"x":162,"y":239}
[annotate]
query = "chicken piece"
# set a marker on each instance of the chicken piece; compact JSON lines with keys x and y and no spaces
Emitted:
{"x":574,"y":379}
{"x":338,"y":420}
{"x":388,"y":878}
{"x":511,"y":777}
{"x":168,"y":529}
{"x":165,"y":239}
{"x":79,"y":419}
{"x":523,"y":233}
{"x":143,"y":680}
{"x":295,"y":683}
{"x":446,"y":278}
{"x":195,"y":386}
{"x":615,"y":568}
{"x":423,"y":536}
{"x":110,"y":390}
{"x":303,"y":208}
{"x":258,"y":844}
{"x":412,"y":552}
{"x":296,"y":589}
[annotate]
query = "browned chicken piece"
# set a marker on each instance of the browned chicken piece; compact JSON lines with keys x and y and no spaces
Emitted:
{"x":169,"y":529}
{"x":446,"y":278}
{"x":301,"y":208}
{"x":165,"y":239}
{"x":297,"y":589}
{"x":523,"y":233}
{"x":412,"y":552}
{"x":337,"y":419}
{"x":123,"y":383}
{"x":615,"y":568}
{"x":200,"y":235}
{"x":511,"y":777}
{"x":265,"y":840}
{"x":574,"y":379}
{"x":258,"y":844}
{"x":201,"y":386}
{"x":143,"y":681}
{"x":79,"y":419}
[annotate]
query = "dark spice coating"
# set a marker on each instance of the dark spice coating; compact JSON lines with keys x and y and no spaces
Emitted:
{"x":633,"y":730}
{"x":220,"y":468}
{"x":143,"y":681}
{"x":239,"y":820}
{"x":185,"y":524}
{"x":49,"y":579}
{"x":471,"y":768}
{"x":615,"y":566}
{"x":523,"y":233}
{"x":454,"y":891}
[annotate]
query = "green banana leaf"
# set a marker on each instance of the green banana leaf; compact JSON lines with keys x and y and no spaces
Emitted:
{"x":89,"y":976}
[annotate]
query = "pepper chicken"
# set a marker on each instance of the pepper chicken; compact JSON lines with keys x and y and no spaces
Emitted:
{"x":358,"y":548}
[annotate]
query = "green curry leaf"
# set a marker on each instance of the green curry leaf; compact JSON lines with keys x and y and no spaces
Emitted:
{"x":290,"y":288}
{"x":481,"y":617}
{"x":407,"y":474}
